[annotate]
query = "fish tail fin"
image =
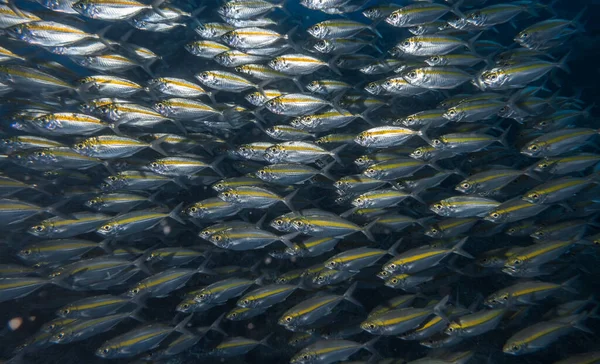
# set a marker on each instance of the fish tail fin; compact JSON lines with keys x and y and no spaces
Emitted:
{"x":471,"y":42}
{"x":296,"y":81}
{"x":140,"y":262}
{"x":562,"y":64}
{"x":265,"y":340}
{"x":287,"y":239}
{"x":576,"y":321}
{"x":135,"y":314}
{"x":503,"y":137}
{"x":348,"y":295}
{"x":373,"y":28}
{"x":457,"y":249}
{"x":455,"y":9}
{"x":576,"y":22}
{"x":335,"y":154}
{"x":332,"y":66}
{"x":288,"y":200}
{"x":370,"y":346}
{"x":181,"y":326}
{"x":105,"y":245}
{"x":156,"y":145}
{"x":156,"y":7}
{"x":365,"y":116}
{"x":568,"y":284}
{"x":424,"y":221}
{"x":586,"y":113}
{"x":325,"y":171}
{"x":203,"y":268}
{"x":174,"y":214}
{"x":393,"y":250}
{"x":215,"y":326}
{"x":53,"y":209}
{"x":349,"y":212}
{"x":366,"y":230}
{"x":530,"y":172}
{"x":213,"y":165}
{"x":440,"y":308}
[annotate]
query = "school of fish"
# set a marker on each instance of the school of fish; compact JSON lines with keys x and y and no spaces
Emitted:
{"x":188,"y":182}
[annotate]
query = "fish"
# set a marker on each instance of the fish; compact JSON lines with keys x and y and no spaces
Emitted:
{"x":331,"y":174}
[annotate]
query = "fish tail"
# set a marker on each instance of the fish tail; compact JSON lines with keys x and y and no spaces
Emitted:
{"x":156,"y":145}
{"x":457,"y":249}
{"x":174,"y":214}
{"x":348,"y":295}
{"x":568,"y":284}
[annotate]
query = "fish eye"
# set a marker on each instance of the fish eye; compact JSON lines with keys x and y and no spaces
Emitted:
{"x":524,"y":35}
{"x":434,"y":230}
{"x":154,"y":164}
{"x":38,"y":228}
{"x":217,"y":237}
{"x":288,"y":318}
{"x":417,"y":152}
{"x":465,"y":185}
{"x":495,"y":215}
{"x":305,"y":357}
{"x":60,"y":335}
{"x":299,"y":223}
{"x":534,"y":196}
{"x":370,"y":171}
{"x":533,"y":147}
{"x":112,"y":178}
{"x":392,"y":266}
{"x":451,"y":112}
{"x":65,"y":311}
{"x":436,"y":141}
{"x":505,"y":297}
{"x":493,"y":76}
{"x":412,"y":74}
{"x":246,"y":302}
{"x":406,"y":43}
{"x":450,"y":329}
{"x":437,"y":206}
{"x":80,"y":146}
{"x":371,"y":326}
{"x":106,"y":227}
{"x":106,"y":350}
{"x":359,"y":201}
{"x":135,"y":291}
{"x":193,"y":209}
{"x":185,"y":305}
{"x":515,"y":348}
{"x":518,"y":262}
{"x":435,"y":59}
{"x":26,"y":252}
{"x":394,"y":280}
{"x":321,"y":278}
{"x":202,"y":295}
{"x":261,"y":172}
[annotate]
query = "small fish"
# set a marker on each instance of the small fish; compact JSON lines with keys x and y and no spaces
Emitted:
{"x":139,"y":340}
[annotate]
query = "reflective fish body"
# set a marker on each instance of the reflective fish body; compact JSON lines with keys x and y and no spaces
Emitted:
{"x":58,"y":227}
{"x":49,"y":34}
{"x":108,"y":146}
{"x":329,"y":351}
{"x":416,"y":14}
{"x":542,"y":334}
{"x":109,"y":9}
{"x":138,"y":340}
